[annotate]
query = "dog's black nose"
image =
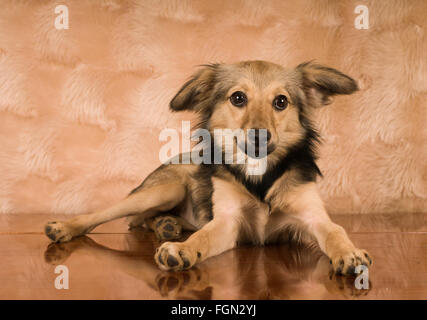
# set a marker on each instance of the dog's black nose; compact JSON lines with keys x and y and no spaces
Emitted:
{"x":257,"y":136}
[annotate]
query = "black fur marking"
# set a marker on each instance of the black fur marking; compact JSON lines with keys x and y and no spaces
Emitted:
{"x":300,"y":157}
{"x":167,"y":235}
{"x":48,"y":229}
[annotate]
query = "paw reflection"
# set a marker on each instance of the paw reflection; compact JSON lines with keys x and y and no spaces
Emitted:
{"x":273,"y":272}
{"x":345,"y":286}
{"x":177,"y":284}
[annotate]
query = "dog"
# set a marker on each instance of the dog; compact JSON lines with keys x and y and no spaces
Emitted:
{"x":223,"y":204}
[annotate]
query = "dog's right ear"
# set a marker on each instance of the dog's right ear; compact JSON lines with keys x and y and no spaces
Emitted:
{"x":321,"y":83}
{"x":195,"y":93}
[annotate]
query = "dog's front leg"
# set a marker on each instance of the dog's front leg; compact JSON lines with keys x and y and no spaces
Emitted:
{"x":215,"y":237}
{"x":306,"y":206}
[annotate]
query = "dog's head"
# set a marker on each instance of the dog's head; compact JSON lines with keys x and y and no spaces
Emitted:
{"x":262,"y":95}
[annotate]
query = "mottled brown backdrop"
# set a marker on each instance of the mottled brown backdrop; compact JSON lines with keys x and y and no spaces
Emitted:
{"x":81,"y":109}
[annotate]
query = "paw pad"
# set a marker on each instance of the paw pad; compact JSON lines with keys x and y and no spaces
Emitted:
{"x":167,"y":228}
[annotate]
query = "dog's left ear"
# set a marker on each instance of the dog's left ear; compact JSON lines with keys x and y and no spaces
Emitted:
{"x":195,"y":93}
{"x":321,"y":83}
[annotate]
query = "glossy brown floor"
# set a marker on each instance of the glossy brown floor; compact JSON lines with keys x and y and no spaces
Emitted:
{"x":114,"y":263}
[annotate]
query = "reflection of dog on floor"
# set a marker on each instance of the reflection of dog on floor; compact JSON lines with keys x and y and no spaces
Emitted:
{"x":290,"y":271}
{"x":223,"y":202}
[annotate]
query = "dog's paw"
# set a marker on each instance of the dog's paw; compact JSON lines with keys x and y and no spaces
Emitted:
{"x":346,"y":263}
{"x":167,"y":228}
{"x":58,"y":231}
{"x":175,"y":256}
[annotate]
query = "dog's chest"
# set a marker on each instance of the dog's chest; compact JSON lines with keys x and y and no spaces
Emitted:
{"x":238,"y":206}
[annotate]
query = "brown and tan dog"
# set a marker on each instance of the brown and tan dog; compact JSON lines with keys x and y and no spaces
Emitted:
{"x":222,"y":202}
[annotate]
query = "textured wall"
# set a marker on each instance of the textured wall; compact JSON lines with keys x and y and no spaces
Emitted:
{"x":81,"y":109}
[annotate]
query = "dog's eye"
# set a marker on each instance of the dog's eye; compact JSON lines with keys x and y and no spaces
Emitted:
{"x":238,"y":99}
{"x":280,"y":102}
